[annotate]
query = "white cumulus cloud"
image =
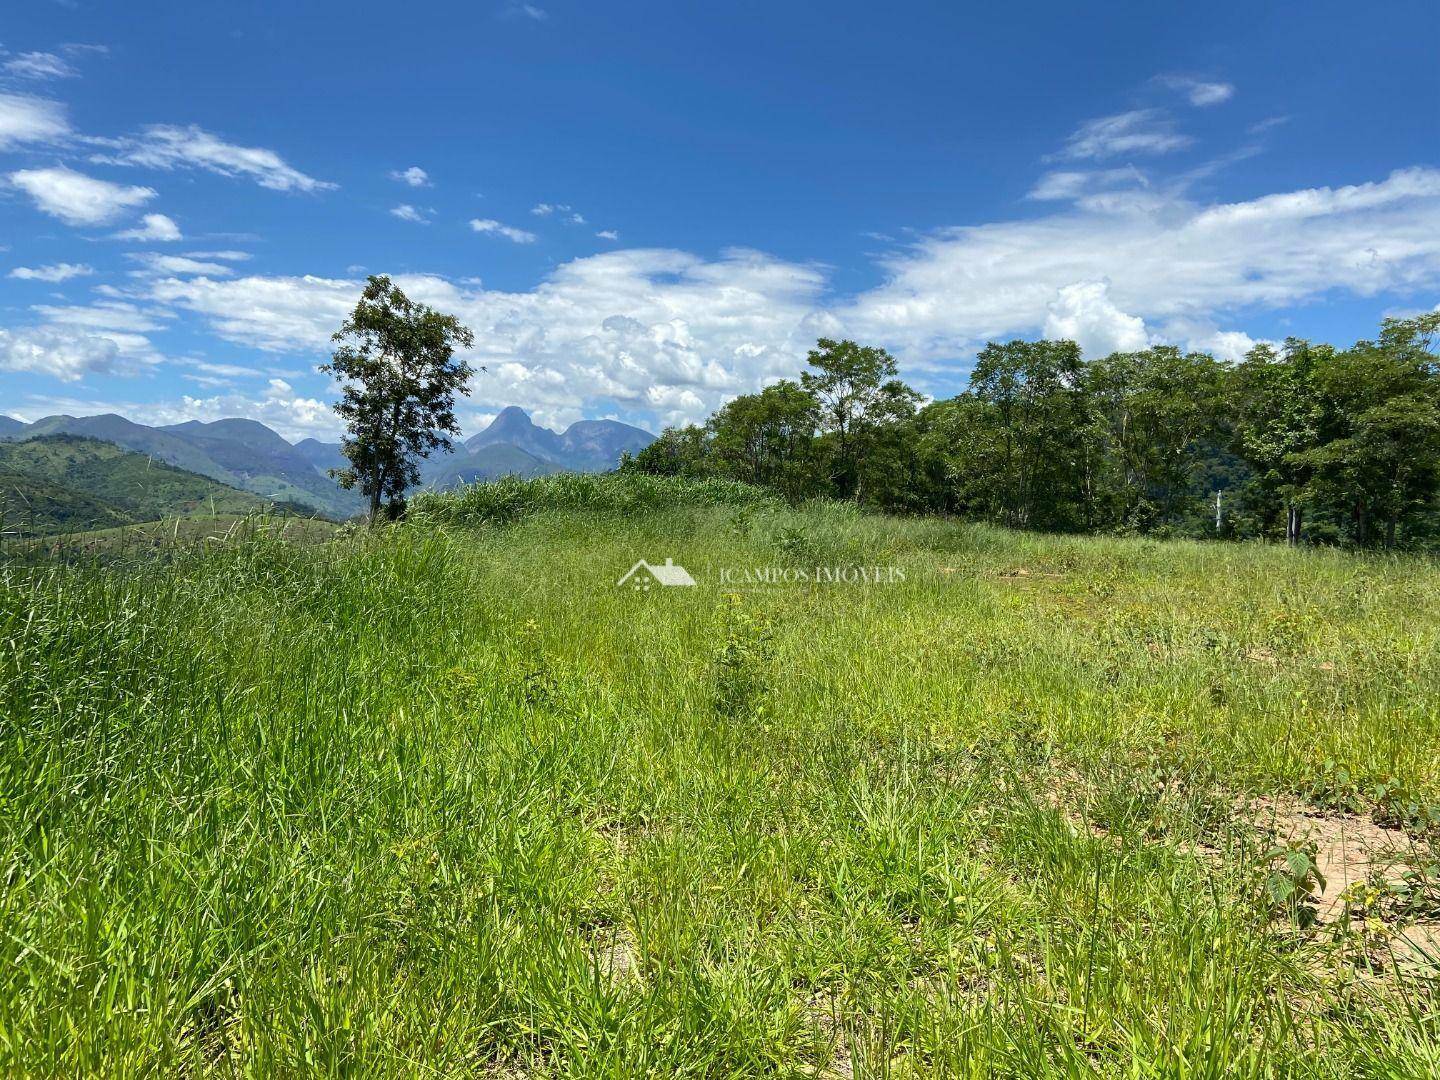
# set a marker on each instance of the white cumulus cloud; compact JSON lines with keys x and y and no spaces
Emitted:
{"x":414,"y":176}
{"x":39,"y":65}
{"x":279,"y":406}
{"x":1228,"y":345}
{"x":1164,"y":260}
{"x":1084,"y":313}
{"x":27,"y":119}
{"x":274,"y":314}
{"x":1067,"y":185}
{"x":495,"y":228}
{"x":54,"y":273}
{"x":80,"y":340}
{"x":118,"y":315}
{"x":571,"y":215}
{"x":1140,"y":131}
{"x":154,"y":263}
{"x":1199,"y":92}
{"x":168,"y":146}
{"x":406,"y":212}
{"x":153,"y":227}
{"x":67,"y":355}
{"x":77,"y":199}
{"x":666,"y":333}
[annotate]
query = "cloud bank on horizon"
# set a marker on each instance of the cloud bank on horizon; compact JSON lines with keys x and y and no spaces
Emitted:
{"x":128,"y":291}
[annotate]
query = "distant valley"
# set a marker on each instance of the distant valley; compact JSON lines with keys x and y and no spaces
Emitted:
{"x":247,"y":456}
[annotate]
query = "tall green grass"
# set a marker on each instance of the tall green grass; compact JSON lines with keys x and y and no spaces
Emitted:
{"x":511,"y":498}
{"x":438,"y":800}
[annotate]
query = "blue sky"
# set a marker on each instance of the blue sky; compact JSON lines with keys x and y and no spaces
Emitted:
{"x":643,"y":210}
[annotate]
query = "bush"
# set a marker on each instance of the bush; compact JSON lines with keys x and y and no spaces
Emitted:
{"x":511,"y":499}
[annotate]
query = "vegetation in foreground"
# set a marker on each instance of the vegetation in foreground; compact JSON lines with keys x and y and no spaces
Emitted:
{"x":440,"y":799}
{"x":168,"y":539}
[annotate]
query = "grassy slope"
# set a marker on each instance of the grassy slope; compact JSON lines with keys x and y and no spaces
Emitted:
{"x":68,"y":483}
{"x":437,"y":802}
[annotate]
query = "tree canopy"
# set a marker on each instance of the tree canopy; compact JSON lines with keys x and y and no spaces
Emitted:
{"x":1302,"y":442}
{"x":396,"y":363}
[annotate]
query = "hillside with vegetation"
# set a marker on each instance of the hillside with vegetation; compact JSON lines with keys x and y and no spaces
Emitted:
{"x":439,"y":798}
{"x":68,"y":483}
{"x":238,"y":453}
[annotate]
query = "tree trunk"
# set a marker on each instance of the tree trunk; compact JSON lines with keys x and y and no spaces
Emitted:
{"x":379,"y":483}
{"x":1293,"y":523}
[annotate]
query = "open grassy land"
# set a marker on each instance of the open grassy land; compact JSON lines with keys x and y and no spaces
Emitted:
{"x":443,"y":800}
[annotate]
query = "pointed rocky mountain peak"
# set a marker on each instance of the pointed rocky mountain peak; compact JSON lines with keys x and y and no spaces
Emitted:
{"x":512,"y":418}
{"x":513,"y":425}
{"x":586,"y":446}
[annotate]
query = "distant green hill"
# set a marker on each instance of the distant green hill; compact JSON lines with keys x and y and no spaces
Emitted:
{"x":68,"y":483}
{"x":243,"y":454}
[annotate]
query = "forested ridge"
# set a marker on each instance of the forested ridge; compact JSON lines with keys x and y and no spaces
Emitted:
{"x":1305,"y":442}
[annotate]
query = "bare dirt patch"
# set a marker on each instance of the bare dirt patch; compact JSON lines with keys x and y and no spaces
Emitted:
{"x":617,"y":954}
{"x":1366,"y":869}
{"x":1349,"y":848}
{"x":824,"y":1013}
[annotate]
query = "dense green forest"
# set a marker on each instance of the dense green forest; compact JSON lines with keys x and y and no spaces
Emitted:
{"x":1307,"y":442}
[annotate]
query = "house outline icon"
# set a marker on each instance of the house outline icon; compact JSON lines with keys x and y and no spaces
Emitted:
{"x":645,"y":574}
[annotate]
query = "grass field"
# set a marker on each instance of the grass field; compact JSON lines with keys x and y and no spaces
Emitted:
{"x":442,"y":800}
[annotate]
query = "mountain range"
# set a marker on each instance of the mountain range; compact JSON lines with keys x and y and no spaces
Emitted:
{"x":247,"y":455}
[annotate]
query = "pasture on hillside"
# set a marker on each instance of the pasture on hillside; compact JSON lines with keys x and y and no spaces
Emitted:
{"x":441,"y":799}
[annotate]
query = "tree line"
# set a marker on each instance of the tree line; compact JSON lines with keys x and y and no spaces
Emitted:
{"x":1306,"y":442}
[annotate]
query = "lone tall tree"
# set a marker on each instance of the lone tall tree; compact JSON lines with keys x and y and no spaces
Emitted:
{"x":396,"y":361}
{"x":850,"y":386}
